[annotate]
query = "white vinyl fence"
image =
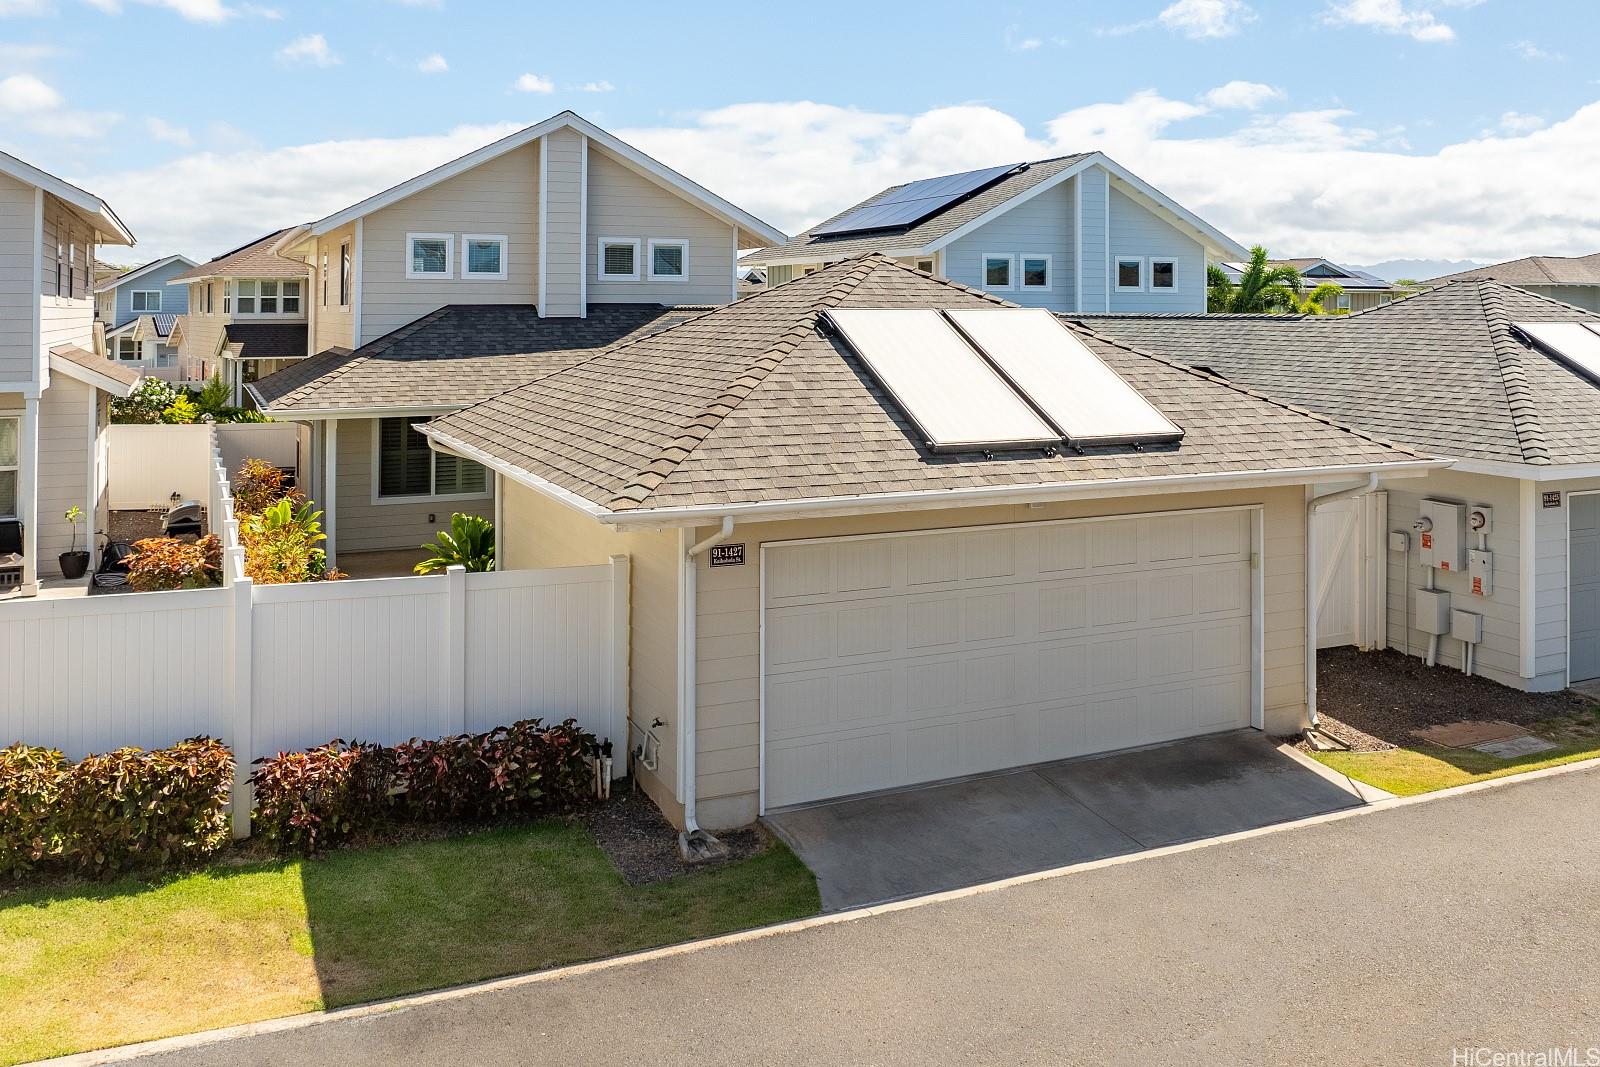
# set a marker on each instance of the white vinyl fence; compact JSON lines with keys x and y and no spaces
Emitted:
{"x":1350,"y":572}
{"x":284,"y":667}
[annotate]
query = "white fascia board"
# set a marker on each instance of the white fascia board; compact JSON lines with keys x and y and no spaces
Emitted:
{"x":103,"y":382}
{"x":98,"y":210}
{"x":443,"y":442}
{"x":1541,"y":472}
{"x":662,"y":174}
{"x":1012,"y":494}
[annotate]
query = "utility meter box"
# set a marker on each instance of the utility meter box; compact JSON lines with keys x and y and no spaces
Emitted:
{"x":1465,"y":626}
{"x":1480,"y":569}
{"x":1442,"y":535}
{"x":1433,"y":611}
{"x":1480,"y":519}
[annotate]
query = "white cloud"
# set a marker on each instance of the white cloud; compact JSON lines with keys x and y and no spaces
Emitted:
{"x":1392,"y":16}
{"x":1530,"y":51}
{"x":1017,"y":41}
{"x":37,"y":106}
{"x":25,"y":55}
{"x":193,"y":10}
{"x":1206,"y":18}
{"x":601,"y":86}
{"x":1518,"y":122}
{"x":1247,"y":96}
{"x":162,"y":130}
{"x":311,"y":48}
{"x":534,"y":83}
{"x":434,"y":64}
{"x":10,"y":9}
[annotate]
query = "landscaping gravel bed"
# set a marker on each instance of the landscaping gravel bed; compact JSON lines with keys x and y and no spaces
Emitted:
{"x":1373,"y":700}
{"x":639,"y":841}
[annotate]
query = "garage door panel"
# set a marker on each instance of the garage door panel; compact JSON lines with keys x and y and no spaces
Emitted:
{"x":1169,"y":654}
{"x":988,"y":554}
{"x":1168,"y":539}
{"x":1063,"y":607}
{"x":1172,"y":596}
{"x":933,"y":687}
{"x":1061,"y":669}
{"x":867,"y":630}
{"x":1059,"y":549}
{"x":932,"y":621}
{"x":864,"y":566}
{"x":1223,"y":647}
{"x":800,"y":637}
{"x":1222,"y":534}
{"x":1114,"y":663}
{"x":932,"y":560}
{"x":1222,"y":704}
{"x":990,"y":680}
{"x":804,"y":570}
{"x":1113,"y":544}
{"x":1114,"y":602}
{"x":989,"y":616}
{"x":822,"y":701}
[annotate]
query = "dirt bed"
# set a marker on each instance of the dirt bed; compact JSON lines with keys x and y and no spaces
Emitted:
{"x":637,"y":838}
{"x":1374,"y":700}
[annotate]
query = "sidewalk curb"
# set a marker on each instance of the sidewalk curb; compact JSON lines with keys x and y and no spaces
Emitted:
{"x":124,"y":1053}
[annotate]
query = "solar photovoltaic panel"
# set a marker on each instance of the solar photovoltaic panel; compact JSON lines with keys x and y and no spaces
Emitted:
{"x":956,"y":400}
{"x":1047,"y":363}
{"x":915,"y":201}
{"x":1573,"y":343}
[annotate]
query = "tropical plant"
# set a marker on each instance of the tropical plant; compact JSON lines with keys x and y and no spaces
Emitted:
{"x":1261,"y":288}
{"x":282,"y":544}
{"x":160,"y":563}
{"x":74,"y":515}
{"x":258,"y":485}
{"x":1323,"y":300}
{"x":468,"y":543}
{"x":212,"y":399}
{"x":145,"y":405}
{"x":181,"y":411}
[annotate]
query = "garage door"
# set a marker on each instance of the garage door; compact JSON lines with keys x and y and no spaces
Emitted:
{"x":894,"y":660}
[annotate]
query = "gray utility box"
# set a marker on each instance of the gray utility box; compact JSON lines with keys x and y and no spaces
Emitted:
{"x":1433,"y":611}
{"x":1442,"y":535}
{"x":1465,"y":626}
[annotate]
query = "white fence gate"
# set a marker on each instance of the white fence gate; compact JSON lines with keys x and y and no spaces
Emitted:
{"x":1350,"y":574}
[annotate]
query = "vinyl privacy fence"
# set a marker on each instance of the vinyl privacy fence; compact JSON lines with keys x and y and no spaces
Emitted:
{"x":283,"y":667}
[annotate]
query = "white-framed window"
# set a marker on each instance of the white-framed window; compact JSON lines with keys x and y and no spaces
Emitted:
{"x":484,"y":256}
{"x":619,"y":259}
{"x":324,"y":279}
{"x":268,"y":303}
{"x":1163,"y":275}
{"x":1343,"y":303}
{"x":227,"y":296}
{"x":669,"y":259}
{"x":211,"y":289}
{"x":1127,"y":274}
{"x":10,"y":464}
{"x":128,"y":348}
{"x":408,"y":469}
{"x":1036,"y":271}
{"x":244,"y":297}
{"x":926,"y":265}
{"x":344,"y":274}
{"x":998,"y":271}
{"x":291,"y":297}
{"x":430,"y":255}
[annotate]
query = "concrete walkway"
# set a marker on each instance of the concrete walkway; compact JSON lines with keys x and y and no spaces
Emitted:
{"x":919,"y":841}
{"x":1397,"y":936}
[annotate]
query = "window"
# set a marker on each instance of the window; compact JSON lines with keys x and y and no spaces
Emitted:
{"x":1343,"y":302}
{"x":925,"y":265}
{"x":344,"y":275}
{"x":291,"y":298}
{"x":127,"y":348}
{"x":1163,"y":274}
{"x":60,"y":258}
{"x":324,"y":279}
{"x":619,"y":259}
{"x":483,"y":256}
{"x":72,"y":267}
{"x":669,"y":260}
{"x":9,"y":465}
{"x":428,"y":255}
{"x":269,"y":298}
{"x":996,"y":271}
{"x":245,"y":298}
{"x":211,"y":292}
{"x":407,"y":467}
{"x":146,"y":300}
{"x":1035,"y":271}
{"x":1130,"y":274}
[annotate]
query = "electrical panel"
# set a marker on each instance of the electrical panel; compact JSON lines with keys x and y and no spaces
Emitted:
{"x":1442,"y":535}
{"x":1433,"y":611}
{"x":1480,"y":569}
{"x":1465,"y":626}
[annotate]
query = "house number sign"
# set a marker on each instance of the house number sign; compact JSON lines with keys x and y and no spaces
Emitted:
{"x":727,"y":555}
{"x":1552,"y":499}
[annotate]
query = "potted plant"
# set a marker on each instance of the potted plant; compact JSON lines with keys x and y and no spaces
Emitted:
{"x":74,"y":564}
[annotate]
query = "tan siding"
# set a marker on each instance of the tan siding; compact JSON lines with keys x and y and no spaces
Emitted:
{"x":542,"y":533}
{"x":729,"y":665}
{"x":201,"y":332}
{"x":497,"y":197}
{"x":334,"y":324}
{"x":563,"y":191}
{"x":66,"y":411}
{"x":66,"y":319}
{"x":18,"y":360}
{"x":364,"y":526}
{"x":622,"y":203}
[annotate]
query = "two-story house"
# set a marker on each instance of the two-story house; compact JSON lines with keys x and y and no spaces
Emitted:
{"x":137,"y":309}
{"x":1076,"y":233}
{"x":523,"y":257}
{"x":55,"y":387}
{"x":248,"y":313}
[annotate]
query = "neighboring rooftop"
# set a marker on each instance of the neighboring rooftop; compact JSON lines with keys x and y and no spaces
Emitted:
{"x":456,"y":356}
{"x":1442,"y":371}
{"x":1535,"y":270}
{"x":134,"y":273}
{"x":750,"y":404}
{"x":1316,"y":270}
{"x":258,"y":259}
{"x":268,"y":340}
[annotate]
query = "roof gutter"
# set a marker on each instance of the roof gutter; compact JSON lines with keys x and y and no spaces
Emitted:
{"x":1313,"y":505}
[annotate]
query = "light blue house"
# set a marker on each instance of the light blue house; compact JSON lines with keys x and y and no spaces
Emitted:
{"x":138,"y":309}
{"x":1077,"y":233}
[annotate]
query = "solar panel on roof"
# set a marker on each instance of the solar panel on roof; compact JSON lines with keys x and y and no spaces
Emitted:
{"x":915,"y":201}
{"x":1047,"y":363}
{"x":957,"y":401}
{"x":1572,"y":343}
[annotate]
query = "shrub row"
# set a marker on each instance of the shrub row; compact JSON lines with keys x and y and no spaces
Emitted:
{"x":310,"y":801}
{"x":115,"y":811}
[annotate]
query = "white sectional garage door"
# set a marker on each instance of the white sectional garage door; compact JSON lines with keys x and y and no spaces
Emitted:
{"x":909,"y":658}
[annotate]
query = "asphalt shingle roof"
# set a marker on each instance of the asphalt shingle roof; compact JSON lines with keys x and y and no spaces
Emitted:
{"x":268,"y":340}
{"x":750,"y":404}
{"x":1442,"y":371}
{"x":1535,"y":270}
{"x":456,"y":356}
{"x":254,"y":260}
{"x":929,"y":229}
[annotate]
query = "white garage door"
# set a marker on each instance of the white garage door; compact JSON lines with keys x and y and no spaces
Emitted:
{"x":910,"y":658}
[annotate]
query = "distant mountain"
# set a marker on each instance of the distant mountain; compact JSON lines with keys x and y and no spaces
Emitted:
{"x":1420,"y":269}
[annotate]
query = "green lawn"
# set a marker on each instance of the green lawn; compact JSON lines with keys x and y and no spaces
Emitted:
{"x":1423,"y":767}
{"x":93,"y":966}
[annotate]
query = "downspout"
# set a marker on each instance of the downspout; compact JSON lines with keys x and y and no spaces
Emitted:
{"x":694,"y":844}
{"x":1312,"y":506}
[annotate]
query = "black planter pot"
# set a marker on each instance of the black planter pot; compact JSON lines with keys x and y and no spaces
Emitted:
{"x":74,"y":564}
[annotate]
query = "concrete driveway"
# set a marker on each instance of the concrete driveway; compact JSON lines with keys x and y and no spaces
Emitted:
{"x":960,"y":833}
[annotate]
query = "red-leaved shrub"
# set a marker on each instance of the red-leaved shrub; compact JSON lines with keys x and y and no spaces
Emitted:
{"x":30,"y":787}
{"x":161,"y":563}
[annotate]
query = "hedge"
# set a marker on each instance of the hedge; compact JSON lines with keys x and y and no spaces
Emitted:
{"x":115,"y":811}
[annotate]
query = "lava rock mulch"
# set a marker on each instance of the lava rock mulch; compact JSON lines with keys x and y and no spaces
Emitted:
{"x":643,"y":845}
{"x":1374,"y":700}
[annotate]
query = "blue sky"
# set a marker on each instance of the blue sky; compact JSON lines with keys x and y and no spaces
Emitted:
{"x":1374,"y":122}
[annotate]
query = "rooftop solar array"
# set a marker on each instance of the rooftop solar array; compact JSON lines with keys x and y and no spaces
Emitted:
{"x":956,"y":400}
{"x":1086,"y":400}
{"x":998,"y":378}
{"x":1573,"y":343}
{"x":915,"y":201}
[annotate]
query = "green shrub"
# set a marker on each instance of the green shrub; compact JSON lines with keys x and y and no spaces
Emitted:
{"x":145,"y":405}
{"x":258,"y":485}
{"x":161,"y":563}
{"x":30,"y":787}
{"x":310,"y":801}
{"x":469,"y":543}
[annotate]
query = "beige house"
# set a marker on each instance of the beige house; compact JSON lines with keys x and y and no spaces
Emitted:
{"x":523,"y":257}
{"x":1570,"y":279}
{"x":829,"y":597}
{"x":55,"y":384}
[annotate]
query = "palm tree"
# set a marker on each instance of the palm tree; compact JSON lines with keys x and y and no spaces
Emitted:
{"x":1323,"y":300}
{"x":1261,"y":289}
